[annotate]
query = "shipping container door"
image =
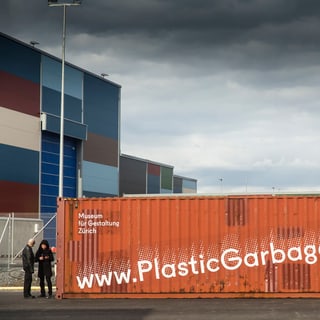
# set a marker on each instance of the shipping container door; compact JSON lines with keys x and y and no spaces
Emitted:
{"x":50,"y":178}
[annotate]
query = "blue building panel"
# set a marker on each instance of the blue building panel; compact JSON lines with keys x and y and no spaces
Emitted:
{"x":153,"y":184}
{"x":51,"y":77}
{"x":51,"y":73}
{"x":73,"y":82}
{"x":50,"y":170}
{"x":189,"y":184}
{"x":90,"y":194}
{"x":19,"y":165}
{"x":72,"y":108}
{"x":51,"y":103}
{"x":49,"y":189}
{"x":101,"y":107}
{"x":71,"y":128}
{"x":100,"y":178}
{"x":49,"y":202}
{"x":49,"y":180}
{"x":20,"y":60}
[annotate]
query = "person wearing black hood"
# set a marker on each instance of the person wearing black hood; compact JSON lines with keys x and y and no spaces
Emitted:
{"x":44,"y":257}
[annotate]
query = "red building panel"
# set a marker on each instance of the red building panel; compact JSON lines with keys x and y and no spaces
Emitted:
{"x":19,"y":94}
{"x":154,"y":169}
{"x":101,"y":150}
{"x":20,"y":198}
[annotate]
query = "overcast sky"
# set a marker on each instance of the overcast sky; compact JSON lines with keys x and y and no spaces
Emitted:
{"x":226,"y":91}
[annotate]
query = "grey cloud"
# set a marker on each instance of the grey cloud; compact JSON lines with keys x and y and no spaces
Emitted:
{"x":237,"y":34}
{"x":237,"y":72}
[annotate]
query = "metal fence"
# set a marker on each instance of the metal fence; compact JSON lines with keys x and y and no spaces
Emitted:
{"x":15,"y":230}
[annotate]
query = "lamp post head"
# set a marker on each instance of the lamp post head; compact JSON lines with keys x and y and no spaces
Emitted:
{"x":34,"y":43}
{"x":53,"y":3}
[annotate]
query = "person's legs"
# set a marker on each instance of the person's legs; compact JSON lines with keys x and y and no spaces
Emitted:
{"x":49,"y":283}
{"x":27,"y":284}
{"x":42,"y":289}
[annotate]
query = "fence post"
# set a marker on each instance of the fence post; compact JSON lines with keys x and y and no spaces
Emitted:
{"x":8,"y":253}
{"x":12,"y":236}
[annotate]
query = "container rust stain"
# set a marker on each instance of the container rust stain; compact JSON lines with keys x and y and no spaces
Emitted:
{"x":239,"y":246}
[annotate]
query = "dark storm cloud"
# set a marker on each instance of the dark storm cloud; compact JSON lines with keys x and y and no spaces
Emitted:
{"x":203,"y":35}
{"x":215,"y":20}
{"x":183,"y":23}
{"x":227,"y":88}
{"x":257,"y":35}
{"x":189,"y":27}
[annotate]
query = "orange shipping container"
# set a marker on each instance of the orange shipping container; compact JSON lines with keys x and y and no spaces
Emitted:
{"x":189,"y":246}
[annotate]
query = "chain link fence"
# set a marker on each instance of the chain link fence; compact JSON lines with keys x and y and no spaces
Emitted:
{"x":15,"y":230}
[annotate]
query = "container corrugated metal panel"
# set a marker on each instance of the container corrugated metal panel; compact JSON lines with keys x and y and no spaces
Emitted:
{"x":228,"y":246}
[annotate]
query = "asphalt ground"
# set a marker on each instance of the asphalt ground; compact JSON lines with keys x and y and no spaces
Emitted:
{"x":14,"y":306}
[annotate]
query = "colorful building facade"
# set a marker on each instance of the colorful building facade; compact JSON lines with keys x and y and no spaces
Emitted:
{"x":30,"y":101}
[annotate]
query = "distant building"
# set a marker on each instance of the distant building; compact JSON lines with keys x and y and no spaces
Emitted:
{"x":142,"y":176}
{"x":184,"y":184}
{"x":30,"y":95}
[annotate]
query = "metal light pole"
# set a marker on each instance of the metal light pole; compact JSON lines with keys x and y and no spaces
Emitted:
{"x":64,"y":4}
{"x":221,"y":180}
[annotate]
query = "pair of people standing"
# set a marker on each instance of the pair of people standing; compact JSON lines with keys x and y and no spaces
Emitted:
{"x":44,"y":257}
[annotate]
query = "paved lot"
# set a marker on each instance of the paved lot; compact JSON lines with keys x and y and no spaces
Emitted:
{"x":14,"y":306}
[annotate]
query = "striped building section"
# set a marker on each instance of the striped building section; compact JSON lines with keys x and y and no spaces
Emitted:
{"x":101,"y":149}
{"x":141,"y":176}
{"x":19,"y":170}
{"x":19,"y":129}
{"x":91,"y":136}
{"x":30,"y":133}
{"x":30,"y":102}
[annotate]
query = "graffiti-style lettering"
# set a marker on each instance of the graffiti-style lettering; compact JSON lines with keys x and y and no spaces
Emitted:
{"x":230,"y":259}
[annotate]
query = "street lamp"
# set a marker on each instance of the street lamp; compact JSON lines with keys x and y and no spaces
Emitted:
{"x":64,"y":4}
{"x":34,"y":43}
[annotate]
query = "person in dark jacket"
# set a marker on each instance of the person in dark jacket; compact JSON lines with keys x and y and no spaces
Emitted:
{"x":28,"y":267}
{"x":44,"y":257}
